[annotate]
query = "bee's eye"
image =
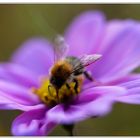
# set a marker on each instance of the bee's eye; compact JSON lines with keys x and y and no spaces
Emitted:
{"x":52,"y":80}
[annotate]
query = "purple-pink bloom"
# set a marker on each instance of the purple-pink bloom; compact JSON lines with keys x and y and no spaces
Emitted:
{"x":118,"y":42}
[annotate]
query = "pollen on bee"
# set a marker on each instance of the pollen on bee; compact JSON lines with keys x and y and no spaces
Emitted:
{"x":48,"y":94}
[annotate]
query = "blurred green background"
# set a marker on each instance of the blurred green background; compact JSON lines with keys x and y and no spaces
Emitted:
{"x":21,"y":22}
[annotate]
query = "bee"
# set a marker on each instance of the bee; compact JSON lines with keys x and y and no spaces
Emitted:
{"x":69,"y":69}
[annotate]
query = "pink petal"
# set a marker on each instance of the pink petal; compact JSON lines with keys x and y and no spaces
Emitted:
{"x":120,"y":50}
{"x":32,"y":123}
{"x":13,"y":96}
{"x":83,"y":35}
{"x":93,"y":93}
{"x":87,"y":105}
{"x":35,"y":54}
{"x":19,"y":75}
{"x":9,"y":104}
{"x":132,"y":83}
{"x":125,"y":79}
{"x":110,"y":40}
{"x":61,"y":115}
{"x":132,"y":97}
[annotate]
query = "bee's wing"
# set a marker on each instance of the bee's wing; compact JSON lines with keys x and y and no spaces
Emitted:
{"x":86,"y":60}
{"x":89,"y":59}
{"x":60,"y":48}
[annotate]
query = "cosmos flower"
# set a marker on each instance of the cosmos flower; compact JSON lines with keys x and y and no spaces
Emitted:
{"x":119,"y":44}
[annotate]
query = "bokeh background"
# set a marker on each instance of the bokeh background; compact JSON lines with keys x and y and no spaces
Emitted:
{"x":21,"y":22}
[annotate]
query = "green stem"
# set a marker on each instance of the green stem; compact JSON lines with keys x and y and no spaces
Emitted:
{"x":69,"y":128}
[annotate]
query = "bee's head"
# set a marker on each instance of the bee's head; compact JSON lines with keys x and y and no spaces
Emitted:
{"x":54,"y":81}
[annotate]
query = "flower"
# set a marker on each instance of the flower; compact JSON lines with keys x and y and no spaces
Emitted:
{"x":117,"y":41}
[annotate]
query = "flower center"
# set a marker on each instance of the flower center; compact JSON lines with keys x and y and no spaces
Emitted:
{"x":51,"y":97}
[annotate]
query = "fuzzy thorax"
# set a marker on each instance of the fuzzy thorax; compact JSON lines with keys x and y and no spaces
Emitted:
{"x":47,"y":93}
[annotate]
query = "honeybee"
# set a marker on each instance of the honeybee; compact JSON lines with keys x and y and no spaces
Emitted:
{"x":69,"y":69}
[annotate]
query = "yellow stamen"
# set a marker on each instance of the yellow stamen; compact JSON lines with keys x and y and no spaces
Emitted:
{"x":47,"y":93}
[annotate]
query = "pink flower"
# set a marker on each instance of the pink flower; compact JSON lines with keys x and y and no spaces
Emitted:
{"x":117,"y":41}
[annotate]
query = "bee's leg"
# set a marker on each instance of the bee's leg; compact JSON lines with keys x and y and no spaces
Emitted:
{"x":76,"y":85}
{"x":57,"y":90}
{"x":88,"y":75}
{"x":67,"y":85}
{"x":49,"y":90}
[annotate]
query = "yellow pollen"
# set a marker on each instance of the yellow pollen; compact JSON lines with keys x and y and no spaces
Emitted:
{"x":47,"y":93}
